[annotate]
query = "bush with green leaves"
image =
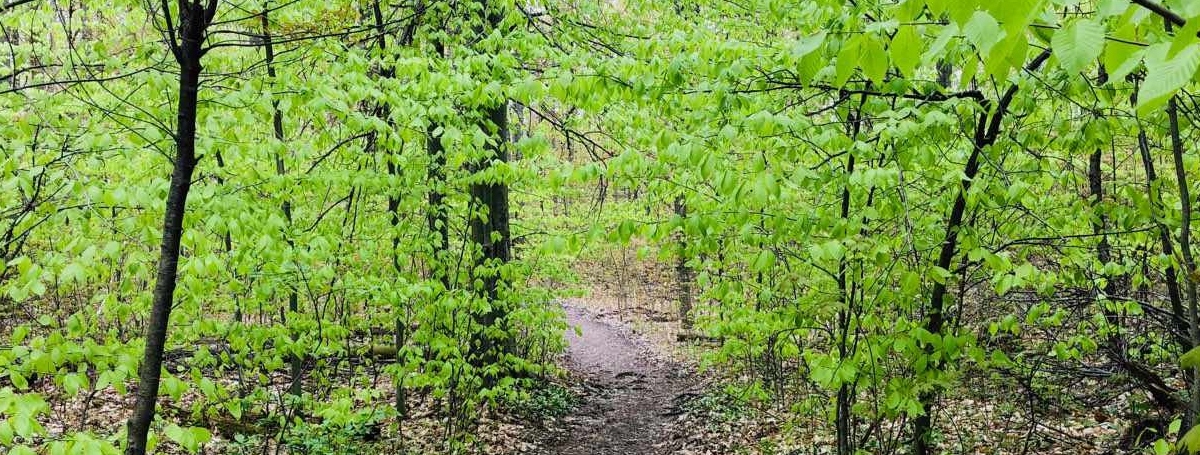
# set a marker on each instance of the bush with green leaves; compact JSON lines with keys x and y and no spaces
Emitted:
{"x":879,"y":202}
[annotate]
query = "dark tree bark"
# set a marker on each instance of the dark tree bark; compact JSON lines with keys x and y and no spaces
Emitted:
{"x":296,"y":362}
{"x":490,"y":230}
{"x":1096,"y":189}
{"x":437,"y":216}
{"x":1162,"y":393}
{"x":923,"y":424}
{"x":683,"y":273}
{"x":383,"y":111}
{"x":489,"y":226}
{"x":843,"y":415}
{"x":987,"y":130}
{"x":194,"y":19}
{"x":1188,"y":261}
{"x":1117,"y":349}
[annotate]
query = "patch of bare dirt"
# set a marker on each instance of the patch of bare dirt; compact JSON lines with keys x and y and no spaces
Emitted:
{"x":630,"y":394}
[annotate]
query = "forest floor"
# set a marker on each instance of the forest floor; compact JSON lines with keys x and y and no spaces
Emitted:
{"x":630,"y":395}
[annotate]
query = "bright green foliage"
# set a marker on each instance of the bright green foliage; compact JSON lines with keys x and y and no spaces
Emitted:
{"x":1078,"y":44}
{"x":88,"y":158}
{"x":820,"y":148}
{"x":752,"y":119}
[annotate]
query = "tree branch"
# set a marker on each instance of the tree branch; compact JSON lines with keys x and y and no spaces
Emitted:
{"x":10,"y":4}
{"x":1161,"y":10}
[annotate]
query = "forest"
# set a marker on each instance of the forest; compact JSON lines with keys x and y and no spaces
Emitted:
{"x":599,"y":227}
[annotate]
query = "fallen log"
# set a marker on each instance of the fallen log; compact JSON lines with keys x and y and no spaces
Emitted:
{"x":690,"y":336}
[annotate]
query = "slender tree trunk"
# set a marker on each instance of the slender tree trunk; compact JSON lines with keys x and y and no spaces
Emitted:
{"x":194,"y":18}
{"x":383,"y":111}
{"x":1185,"y":250}
{"x":228,"y":240}
{"x":296,"y":361}
{"x":1096,"y":188}
{"x":987,"y":130}
{"x":683,"y":273}
{"x":437,"y":216}
{"x":923,"y":424}
{"x":843,"y":414}
{"x":1162,"y":393}
{"x":1174,"y":295}
{"x":1100,"y":221}
{"x":1143,"y":376}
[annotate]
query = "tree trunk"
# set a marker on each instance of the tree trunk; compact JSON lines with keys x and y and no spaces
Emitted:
{"x":1143,"y":376}
{"x":193,"y":23}
{"x":490,"y":224}
{"x":490,"y":229}
{"x":683,"y":273}
{"x":296,"y":362}
{"x":923,"y":424}
{"x":436,"y":216}
{"x":843,"y":414}
{"x":383,"y":111}
{"x":1174,"y":295}
{"x":987,"y":130}
{"x":1185,"y":250}
{"x":1162,"y":393}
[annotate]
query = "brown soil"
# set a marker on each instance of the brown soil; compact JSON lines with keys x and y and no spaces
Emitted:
{"x":630,"y":394}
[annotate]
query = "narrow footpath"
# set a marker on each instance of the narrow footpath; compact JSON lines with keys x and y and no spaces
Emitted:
{"x":631,"y":395}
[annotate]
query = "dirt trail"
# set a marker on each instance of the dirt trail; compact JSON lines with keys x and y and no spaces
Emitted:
{"x":630,"y":394}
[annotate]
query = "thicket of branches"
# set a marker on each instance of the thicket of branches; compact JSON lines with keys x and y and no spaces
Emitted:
{"x":288,"y":212}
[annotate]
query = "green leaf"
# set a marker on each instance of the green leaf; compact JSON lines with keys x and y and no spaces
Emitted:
{"x":235,"y":409}
{"x":1078,"y":44}
{"x":1187,"y":8}
{"x":74,"y":382}
{"x":1112,"y":7}
{"x":1008,"y":53}
{"x":808,"y":44}
{"x":905,"y":50}
{"x":1014,"y":14}
{"x":960,"y":10}
{"x":191,"y":439}
{"x":1191,"y":440}
{"x":18,"y":380}
{"x":1120,"y":59}
{"x":939,"y":275}
{"x":1166,"y":75}
{"x":1184,"y":37}
{"x":763,"y":261}
{"x":874,"y":60}
{"x":73,"y":273}
{"x":937,"y":49}
{"x":173,"y":387}
{"x":833,"y":249}
{"x":847,"y":60}
{"x":19,"y":334}
{"x":983,"y":31}
{"x":1190,"y":359}
{"x":6,"y":432}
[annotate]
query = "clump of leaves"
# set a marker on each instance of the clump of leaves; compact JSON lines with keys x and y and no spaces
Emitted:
{"x":246,"y":444}
{"x":542,"y":401}
{"x":335,"y":438}
{"x":720,"y":407}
